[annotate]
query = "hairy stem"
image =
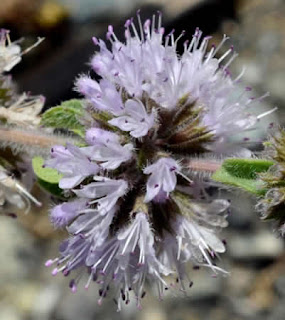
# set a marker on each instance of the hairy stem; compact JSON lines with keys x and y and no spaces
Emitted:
{"x":29,"y":138}
{"x":203,"y":165}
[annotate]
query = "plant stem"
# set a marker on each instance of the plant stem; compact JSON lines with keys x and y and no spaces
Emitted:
{"x":203,"y":165}
{"x":29,"y":138}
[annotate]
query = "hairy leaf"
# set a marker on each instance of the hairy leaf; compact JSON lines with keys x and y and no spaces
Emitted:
{"x":64,"y":116}
{"x":243,"y":173}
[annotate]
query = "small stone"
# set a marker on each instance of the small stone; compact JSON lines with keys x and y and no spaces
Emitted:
{"x":9,"y":313}
{"x":245,"y":278}
{"x":24,"y":295}
{"x":264,"y":245}
{"x":204,"y":286}
{"x":17,"y":250}
{"x":153,"y":313}
{"x":45,"y":302}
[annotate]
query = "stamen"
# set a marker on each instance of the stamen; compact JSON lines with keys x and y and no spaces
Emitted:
{"x":225,"y":38}
{"x":95,"y":41}
{"x":27,"y":194}
{"x":140,"y":25}
{"x":266,"y":113}
{"x":33,"y":46}
{"x":147,"y":28}
{"x":135,"y":31}
{"x":224,"y":55}
{"x":50,"y":262}
{"x":153,"y":24}
{"x":231,"y":60}
{"x":181,"y":35}
{"x":240,"y":75}
{"x":204,"y":44}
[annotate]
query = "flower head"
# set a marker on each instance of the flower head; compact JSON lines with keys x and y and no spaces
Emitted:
{"x":272,"y":204}
{"x":153,"y":110}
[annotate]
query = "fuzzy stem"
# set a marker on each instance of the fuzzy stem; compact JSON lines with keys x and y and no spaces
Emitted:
{"x":29,"y":138}
{"x":203,"y":165}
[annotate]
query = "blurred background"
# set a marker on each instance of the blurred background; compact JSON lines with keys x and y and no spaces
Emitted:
{"x":255,"y":289}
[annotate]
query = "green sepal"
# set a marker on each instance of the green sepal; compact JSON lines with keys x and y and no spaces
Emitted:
{"x":243,"y":173}
{"x":65,"y":116}
{"x":48,"y":178}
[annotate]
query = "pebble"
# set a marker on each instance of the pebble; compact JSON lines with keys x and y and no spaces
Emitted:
{"x":262,"y":245}
{"x":9,"y":313}
{"x":16,"y":246}
{"x":45,"y":302}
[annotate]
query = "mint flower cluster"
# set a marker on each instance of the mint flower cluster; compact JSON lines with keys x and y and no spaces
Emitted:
{"x":271,"y":205}
{"x":135,"y":212}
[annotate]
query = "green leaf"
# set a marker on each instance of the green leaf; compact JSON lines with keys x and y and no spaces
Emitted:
{"x":243,"y":173}
{"x":44,"y":173}
{"x":48,"y":178}
{"x":64,"y":116}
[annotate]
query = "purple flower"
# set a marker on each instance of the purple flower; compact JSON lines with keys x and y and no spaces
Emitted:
{"x":121,"y":66}
{"x":194,"y":239}
{"x":129,"y":260}
{"x":103,"y":95}
{"x":92,"y":224}
{"x":135,"y":119}
{"x":143,"y":65}
{"x":72,"y":163}
{"x":162,"y":180}
{"x":137,"y":252}
{"x":99,"y":137}
{"x":74,"y":252}
{"x":197,"y":241}
{"x":147,"y":214}
{"x":62,"y":214}
{"x":104,"y":192}
{"x":106,"y":149}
